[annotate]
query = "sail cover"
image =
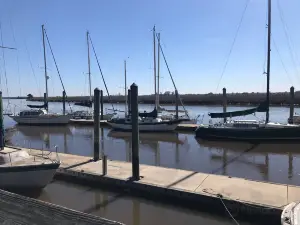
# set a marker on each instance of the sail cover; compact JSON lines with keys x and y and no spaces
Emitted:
{"x":45,"y":105}
{"x":261,"y":108}
{"x":152,"y":114}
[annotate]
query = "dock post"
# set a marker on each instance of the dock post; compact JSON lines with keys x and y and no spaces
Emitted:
{"x":224,"y":103}
{"x":96,"y":123}
{"x":45,"y":101}
{"x":101,"y":102}
{"x":104,"y":164}
{"x":176,"y":103}
{"x":135,"y":132}
{"x":64,"y":102}
{"x":292,"y":98}
{"x":2,"y":142}
{"x":129,"y":101}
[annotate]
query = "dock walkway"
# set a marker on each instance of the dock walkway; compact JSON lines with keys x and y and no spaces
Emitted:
{"x":240,"y":196}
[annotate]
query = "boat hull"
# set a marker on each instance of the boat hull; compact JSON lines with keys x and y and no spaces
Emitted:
{"x":144,"y":127}
{"x":27,"y":177}
{"x":43,"y":120}
{"x":257,"y":134}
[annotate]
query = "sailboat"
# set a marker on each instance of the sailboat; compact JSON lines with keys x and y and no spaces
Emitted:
{"x":20,"y":170}
{"x":87,"y":114}
{"x":147,"y":121}
{"x":250,"y":130}
{"x":40,"y":115}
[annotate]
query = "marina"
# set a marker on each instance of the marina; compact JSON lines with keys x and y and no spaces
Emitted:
{"x":154,"y":151}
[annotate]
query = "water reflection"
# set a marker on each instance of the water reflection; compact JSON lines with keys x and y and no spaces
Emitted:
{"x":255,"y":156}
{"x":151,"y":140}
{"x":123,"y":208}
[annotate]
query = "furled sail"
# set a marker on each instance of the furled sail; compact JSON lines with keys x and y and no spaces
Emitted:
{"x":44,"y":106}
{"x":261,"y":108}
{"x":152,"y":114}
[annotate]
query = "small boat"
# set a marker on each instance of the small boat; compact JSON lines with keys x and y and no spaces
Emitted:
{"x":251,"y":130}
{"x":147,"y":122}
{"x":19,"y":170}
{"x":40,"y":117}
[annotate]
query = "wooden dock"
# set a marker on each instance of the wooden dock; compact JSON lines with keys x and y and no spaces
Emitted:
{"x":103,"y":123}
{"x":17,"y":209}
{"x":242,"y":197}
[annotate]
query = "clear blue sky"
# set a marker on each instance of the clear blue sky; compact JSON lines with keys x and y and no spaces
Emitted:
{"x":196,"y":37}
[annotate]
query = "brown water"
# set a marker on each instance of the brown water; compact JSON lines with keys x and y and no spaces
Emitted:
{"x":127,"y":209}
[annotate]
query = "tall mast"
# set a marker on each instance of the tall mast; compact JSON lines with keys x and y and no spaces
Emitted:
{"x":154,"y":66}
{"x":125,"y":88}
{"x":89,"y":65}
{"x":158,"y":68}
{"x":45,"y":62}
{"x":268,"y":60}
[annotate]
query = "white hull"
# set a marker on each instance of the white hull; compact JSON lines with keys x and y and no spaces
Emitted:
{"x":35,"y":179}
{"x":47,"y":119}
{"x":145,"y":127}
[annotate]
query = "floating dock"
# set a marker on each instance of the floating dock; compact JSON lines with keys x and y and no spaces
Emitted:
{"x":214,"y":193}
{"x":103,"y":123}
{"x":17,"y":209}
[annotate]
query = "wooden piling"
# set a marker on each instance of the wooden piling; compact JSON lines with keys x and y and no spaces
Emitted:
{"x":101,"y":102}
{"x":176,"y":103}
{"x":129,"y":101}
{"x":2,"y":142}
{"x":292,"y":98}
{"x":64,"y":102}
{"x":104,"y":164}
{"x":135,"y":132}
{"x":45,"y":101}
{"x":96,"y":123}
{"x":224,"y":103}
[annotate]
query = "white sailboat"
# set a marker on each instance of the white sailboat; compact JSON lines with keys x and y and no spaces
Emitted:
{"x":19,"y":170}
{"x":147,"y":121}
{"x":88,"y":114}
{"x":40,"y":116}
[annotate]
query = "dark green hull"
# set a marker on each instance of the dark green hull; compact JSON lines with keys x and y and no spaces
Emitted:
{"x":249,"y":135}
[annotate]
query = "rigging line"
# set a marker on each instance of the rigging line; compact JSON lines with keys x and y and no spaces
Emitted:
{"x":265,"y":43}
{"x":4,"y":63}
{"x":162,"y":52}
{"x":28,"y":54}
{"x":109,"y":98}
{"x":232,"y":45}
{"x":284,"y":67}
{"x":18,"y":64}
{"x":57,"y":68}
{"x":287,"y":37}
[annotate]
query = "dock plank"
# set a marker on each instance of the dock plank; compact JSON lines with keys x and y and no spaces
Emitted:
{"x":17,"y":209}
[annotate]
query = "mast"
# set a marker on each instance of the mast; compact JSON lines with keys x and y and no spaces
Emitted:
{"x":125,"y":88}
{"x":89,"y":65}
{"x":158,"y":68}
{"x":268,"y":60}
{"x":45,"y":64}
{"x":154,"y":66}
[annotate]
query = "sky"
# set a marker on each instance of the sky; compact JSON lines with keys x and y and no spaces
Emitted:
{"x":196,"y":37}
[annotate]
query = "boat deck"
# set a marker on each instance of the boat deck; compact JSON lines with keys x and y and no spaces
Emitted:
{"x":17,"y":209}
{"x":266,"y":198}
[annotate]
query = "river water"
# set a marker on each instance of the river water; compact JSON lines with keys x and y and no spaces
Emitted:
{"x":267,"y":162}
